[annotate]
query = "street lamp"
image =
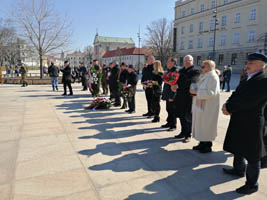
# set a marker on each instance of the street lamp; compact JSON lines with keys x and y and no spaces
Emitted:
{"x":214,"y":36}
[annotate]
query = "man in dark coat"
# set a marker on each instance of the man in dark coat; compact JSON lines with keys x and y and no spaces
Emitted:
{"x":183,"y":99}
{"x":122,"y":80}
{"x":104,"y":80}
{"x":53,"y":72}
{"x":84,"y":76}
{"x":168,"y":96}
{"x":147,"y":76}
{"x":264,"y":159}
{"x":132,"y":80}
{"x":113,"y":82}
{"x":23,"y":72}
{"x":227,"y":74}
{"x":66,"y":79}
{"x":244,"y":137}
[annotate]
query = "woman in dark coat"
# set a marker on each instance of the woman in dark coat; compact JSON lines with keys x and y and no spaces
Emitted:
{"x":157,"y":79}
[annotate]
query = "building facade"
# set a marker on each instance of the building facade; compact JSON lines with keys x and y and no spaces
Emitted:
{"x":103,"y":44}
{"x":76,"y":58}
{"x":131,"y":56}
{"x":241,"y":28}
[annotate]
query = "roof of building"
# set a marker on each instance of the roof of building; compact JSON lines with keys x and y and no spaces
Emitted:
{"x":102,"y":39}
{"x":76,"y":53}
{"x":125,"y":52}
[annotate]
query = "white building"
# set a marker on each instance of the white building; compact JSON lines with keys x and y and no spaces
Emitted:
{"x":76,"y":58}
{"x":241,"y":29}
{"x":103,"y":44}
{"x":129,"y":56}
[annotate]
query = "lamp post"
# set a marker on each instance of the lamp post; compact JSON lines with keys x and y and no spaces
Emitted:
{"x":214,"y":36}
{"x":139,"y":43}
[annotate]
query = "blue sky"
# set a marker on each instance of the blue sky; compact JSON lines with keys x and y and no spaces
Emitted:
{"x":113,"y":18}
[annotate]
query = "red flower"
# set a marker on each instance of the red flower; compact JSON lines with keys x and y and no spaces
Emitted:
{"x":171,"y":78}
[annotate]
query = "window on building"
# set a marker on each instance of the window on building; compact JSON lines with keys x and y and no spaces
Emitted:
{"x":223,"y":40}
{"x":251,"y":36}
{"x":236,"y":38}
{"x":200,"y":43}
{"x":183,"y":13}
{"x":221,"y":58}
{"x":237,"y":18}
{"x":212,"y":23}
{"x":233,"y":59}
{"x":212,"y":4}
{"x":191,"y":28}
{"x":181,"y":61}
{"x":174,"y":39}
{"x":107,"y":48}
{"x":192,"y":11}
{"x":253,"y":14}
{"x":182,"y":45}
{"x":198,"y":60}
{"x":211,"y":41}
{"x":201,"y":26}
{"x":182,"y":30}
{"x":225,"y":1}
{"x":190,"y":44}
{"x":224,"y":20}
{"x":202,"y":7}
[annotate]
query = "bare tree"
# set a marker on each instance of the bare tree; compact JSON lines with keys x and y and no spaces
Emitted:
{"x":159,"y":39}
{"x":89,"y":52}
{"x":41,"y":26}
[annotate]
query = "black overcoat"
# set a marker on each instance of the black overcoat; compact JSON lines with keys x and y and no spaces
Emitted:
{"x":157,"y":88}
{"x":113,"y":79}
{"x":246,"y":128}
{"x":66,"y":78}
{"x":183,"y":99}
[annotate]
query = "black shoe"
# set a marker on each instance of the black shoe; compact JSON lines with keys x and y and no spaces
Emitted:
{"x":205,"y":149}
{"x":70,"y":94}
{"x":198,"y":147}
{"x":57,"y":88}
{"x":165,"y":126}
{"x":131,"y":112}
{"x":233,"y":172}
{"x":171,"y":129}
{"x":128,"y":110}
{"x":187,"y":139}
{"x":64,"y":94}
{"x":150,"y":116}
{"x":156,"y":119}
{"x":123,"y":107}
{"x":147,"y":114}
{"x":246,"y":189}
{"x":117,"y":105}
{"x":180,"y":136}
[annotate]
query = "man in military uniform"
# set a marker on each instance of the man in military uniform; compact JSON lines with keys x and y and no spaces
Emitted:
{"x":84,"y":76}
{"x":245,"y":133}
{"x":23,"y":73}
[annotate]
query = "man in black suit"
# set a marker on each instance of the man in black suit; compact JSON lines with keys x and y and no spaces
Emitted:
{"x":66,"y":79}
{"x":244,"y":137}
{"x":183,"y":99}
{"x":84,"y":75}
{"x":132,"y":80}
{"x":113,"y":83}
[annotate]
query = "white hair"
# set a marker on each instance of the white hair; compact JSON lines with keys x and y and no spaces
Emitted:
{"x":189,"y":56}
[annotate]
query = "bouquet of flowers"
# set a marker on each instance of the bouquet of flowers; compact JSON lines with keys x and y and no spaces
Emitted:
{"x":150,"y":83}
{"x":122,"y":90}
{"x":171,"y":78}
{"x":99,"y":103}
{"x":94,"y":85}
{"x":129,"y":92}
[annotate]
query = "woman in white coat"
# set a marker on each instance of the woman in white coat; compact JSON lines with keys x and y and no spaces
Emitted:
{"x":206,"y":106}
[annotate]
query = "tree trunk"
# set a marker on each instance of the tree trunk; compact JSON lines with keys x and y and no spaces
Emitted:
{"x":41,"y":67}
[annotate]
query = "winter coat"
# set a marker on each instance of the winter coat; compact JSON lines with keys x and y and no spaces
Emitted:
{"x":66,"y":78}
{"x":114,"y":76}
{"x":206,"y":106}
{"x":147,"y":73}
{"x":227,"y":75}
{"x":123,"y":76}
{"x":246,"y":128}
{"x":157,"y":89}
{"x":83,"y":72}
{"x":53,"y":71}
{"x":167,"y":92}
{"x":183,"y":98}
{"x":132,"y":79}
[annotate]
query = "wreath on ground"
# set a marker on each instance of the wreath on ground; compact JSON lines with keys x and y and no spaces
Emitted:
{"x":99,"y":103}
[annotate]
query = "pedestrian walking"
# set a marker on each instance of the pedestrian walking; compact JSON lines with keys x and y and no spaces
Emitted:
{"x":23,"y":72}
{"x":53,"y":72}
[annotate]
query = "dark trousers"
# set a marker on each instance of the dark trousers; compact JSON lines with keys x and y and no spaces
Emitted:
{"x":228,"y":85}
{"x":85,"y":83}
{"x":124,"y":102}
{"x":156,"y":105}
{"x":149,"y":96}
{"x":186,"y":126}
{"x":105,"y":87}
{"x":171,"y":119}
{"x":131,"y":103}
{"x":115,"y":94}
{"x":252,"y":169}
{"x":65,"y":84}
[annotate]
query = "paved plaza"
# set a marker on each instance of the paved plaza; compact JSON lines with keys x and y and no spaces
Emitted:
{"x":51,"y":148}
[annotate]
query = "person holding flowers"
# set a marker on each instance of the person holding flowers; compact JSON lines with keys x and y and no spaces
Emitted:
{"x":96,"y":75}
{"x":156,"y":85}
{"x":122,"y":82}
{"x":132,"y":80}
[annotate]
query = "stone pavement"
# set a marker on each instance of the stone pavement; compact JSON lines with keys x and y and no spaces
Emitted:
{"x":51,"y":148}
